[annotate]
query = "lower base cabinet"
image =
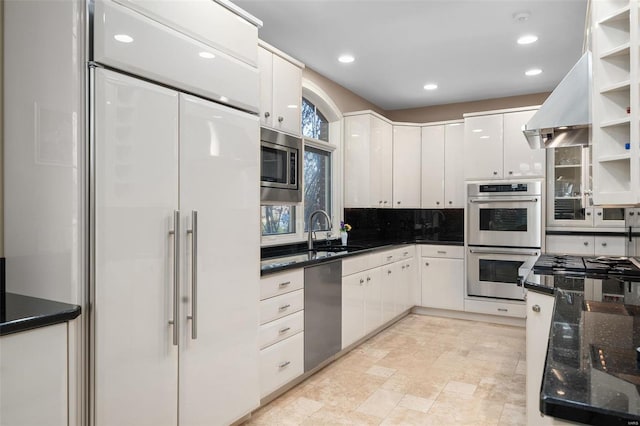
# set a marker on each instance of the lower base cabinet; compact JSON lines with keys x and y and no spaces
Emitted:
{"x":586,"y":245}
{"x":539,"y":312}
{"x":33,"y":377}
{"x":443,"y":277}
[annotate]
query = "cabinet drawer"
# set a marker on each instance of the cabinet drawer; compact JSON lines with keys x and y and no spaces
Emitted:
{"x":281,"y":363}
{"x":275,"y":331}
{"x":610,"y":246}
{"x":280,"y":306}
{"x":276,"y":284}
{"x":518,"y":310}
{"x":405,"y":252}
{"x":451,"y":252}
{"x":570,"y":244}
{"x":357,"y":264}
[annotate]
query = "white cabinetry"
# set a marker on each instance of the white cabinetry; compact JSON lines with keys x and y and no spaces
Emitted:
{"x":281,"y":333}
{"x":586,"y":245}
{"x":538,"y":323}
{"x":442,"y":165}
{"x":376,"y":288}
{"x":280,"y":89}
{"x":443,"y":277}
{"x":495,"y":147}
{"x":406,"y":166}
{"x":368,"y":161}
{"x":191,"y":357}
{"x":616,"y":101}
{"x":34,"y":385}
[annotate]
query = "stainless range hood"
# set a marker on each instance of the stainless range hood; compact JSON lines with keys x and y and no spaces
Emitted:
{"x":564,"y":119}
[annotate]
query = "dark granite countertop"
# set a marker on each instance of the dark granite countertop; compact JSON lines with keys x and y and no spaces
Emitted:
{"x":20,"y":313}
{"x":591,"y":374}
{"x":299,"y":257}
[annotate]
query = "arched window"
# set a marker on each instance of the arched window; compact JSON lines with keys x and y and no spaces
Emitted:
{"x":314,"y":124}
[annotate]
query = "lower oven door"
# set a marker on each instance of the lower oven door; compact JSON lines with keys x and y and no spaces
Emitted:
{"x":493,"y":272}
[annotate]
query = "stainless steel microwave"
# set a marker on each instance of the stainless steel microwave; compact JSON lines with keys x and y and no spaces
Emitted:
{"x":280,"y":167}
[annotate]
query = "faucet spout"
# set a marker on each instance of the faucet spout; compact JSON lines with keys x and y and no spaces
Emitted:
{"x":310,"y":221}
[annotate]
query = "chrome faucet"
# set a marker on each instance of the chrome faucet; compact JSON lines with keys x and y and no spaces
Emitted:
{"x":311,"y":216}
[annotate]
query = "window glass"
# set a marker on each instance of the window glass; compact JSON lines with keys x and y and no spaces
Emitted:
{"x":314,"y":124}
{"x":278,"y":220}
{"x":317,"y":186}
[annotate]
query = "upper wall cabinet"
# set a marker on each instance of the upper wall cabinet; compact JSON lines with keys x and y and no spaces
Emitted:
{"x":442,"y":166}
{"x":280,"y":89}
{"x":616,"y":101}
{"x":495,"y":147}
{"x":368,"y":152}
{"x":406,"y":166}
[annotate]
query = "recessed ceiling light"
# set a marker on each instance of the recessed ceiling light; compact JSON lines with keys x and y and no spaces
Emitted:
{"x":206,"y":55}
{"x":527,"y":39}
{"x":123,"y":38}
{"x":430,"y":86}
{"x":534,"y":71}
{"x":346,"y":58}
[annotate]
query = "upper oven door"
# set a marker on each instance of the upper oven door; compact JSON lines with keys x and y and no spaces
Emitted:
{"x":278,"y":166}
{"x":505,"y":221}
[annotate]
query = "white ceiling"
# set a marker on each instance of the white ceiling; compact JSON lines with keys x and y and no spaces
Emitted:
{"x":468,"y":47}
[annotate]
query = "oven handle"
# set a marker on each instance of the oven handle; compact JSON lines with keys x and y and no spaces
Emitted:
{"x":503,"y":200}
{"x":516,"y":253}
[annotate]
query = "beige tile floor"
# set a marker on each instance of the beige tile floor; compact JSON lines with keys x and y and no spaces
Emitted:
{"x":421,"y":371}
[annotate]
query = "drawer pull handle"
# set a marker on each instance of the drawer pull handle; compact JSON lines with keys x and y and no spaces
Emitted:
{"x":389,"y":272}
{"x":535,"y":308}
{"x":426,"y":263}
{"x":503,"y":310}
{"x":284,"y":307}
{"x":441,"y":252}
{"x":284,"y":330}
{"x":586,"y":243}
{"x":604,"y":244}
{"x":405,"y":253}
{"x":284,"y":364}
{"x":282,"y":285}
{"x":389,"y":257}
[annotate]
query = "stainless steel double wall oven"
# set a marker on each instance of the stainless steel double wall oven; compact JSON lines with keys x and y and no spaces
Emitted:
{"x":504,"y":231}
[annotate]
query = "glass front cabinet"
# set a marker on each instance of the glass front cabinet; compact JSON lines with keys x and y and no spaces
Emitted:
{"x":569,"y":185}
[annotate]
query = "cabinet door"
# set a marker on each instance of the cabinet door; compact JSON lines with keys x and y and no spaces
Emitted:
{"x":570,"y":244}
{"x":390,"y":283}
{"x":352,"y":308}
{"x":381,"y":163}
{"x":433,"y":167}
{"x":483,"y":147}
{"x":136,"y":362}
{"x":405,"y":290}
{"x":373,"y":300}
{"x":539,"y":311}
{"x":519,"y":158}
{"x":287,"y":95}
{"x":34,"y":385}
{"x":357,"y":163}
{"x":265,"y":65}
{"x":443,"y":283}
{"x":219,"y":338}
{"x":406,"y":167}
{"x":454,"y":188}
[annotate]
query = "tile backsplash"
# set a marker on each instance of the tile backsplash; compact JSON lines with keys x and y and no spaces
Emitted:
{"x":403,"y":225}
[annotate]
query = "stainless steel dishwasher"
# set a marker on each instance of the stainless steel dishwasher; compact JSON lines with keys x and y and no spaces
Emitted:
{"x":322,"y":312}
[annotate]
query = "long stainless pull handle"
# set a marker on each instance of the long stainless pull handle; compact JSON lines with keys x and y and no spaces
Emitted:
{"x":517,"y":253}
{"x":283,"y":285}
{"x":194,"y":274}
{"x":176,"y":274}
{"x":502,"y":200}
{"x":284,"y":364}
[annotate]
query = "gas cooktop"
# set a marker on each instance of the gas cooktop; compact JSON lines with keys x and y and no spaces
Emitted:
{"x":601,"y":265}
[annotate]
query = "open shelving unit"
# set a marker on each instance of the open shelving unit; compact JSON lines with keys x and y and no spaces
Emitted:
{"x":616,"y":102}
